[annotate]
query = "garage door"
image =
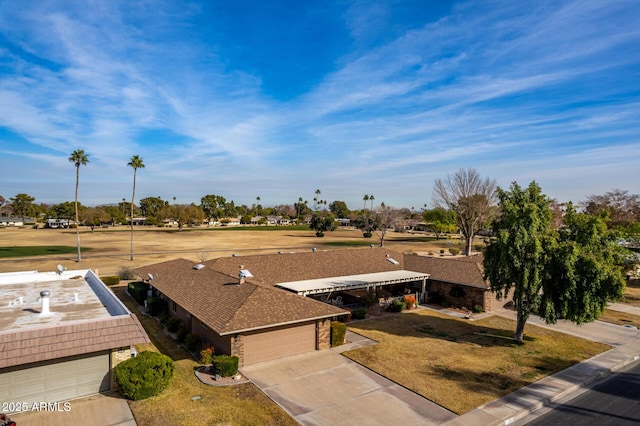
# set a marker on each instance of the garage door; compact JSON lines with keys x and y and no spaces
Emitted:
{"x":279,"y":343}
{"x":56,"y":381}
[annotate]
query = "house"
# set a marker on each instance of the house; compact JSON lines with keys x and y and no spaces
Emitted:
{"x":16,"y":221}
{"x":238,"y":315}
{"x":61,"y":335}
{"x":456,"y":281}
{"x":59,"y":223}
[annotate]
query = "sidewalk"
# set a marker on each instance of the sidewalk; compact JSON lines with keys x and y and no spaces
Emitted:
{"x":523,"y":402}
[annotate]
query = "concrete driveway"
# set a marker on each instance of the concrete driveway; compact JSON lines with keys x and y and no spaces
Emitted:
{"x":325,"y":388}
{"x":97,"y":410}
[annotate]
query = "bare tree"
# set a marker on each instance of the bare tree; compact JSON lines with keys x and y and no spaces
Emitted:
{"x":472,"y":197}
{"x":388,"y":218}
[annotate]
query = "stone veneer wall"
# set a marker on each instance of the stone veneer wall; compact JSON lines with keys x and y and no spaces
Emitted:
{"x":237,"y":348}
{"x":324,"y":333}
{"x":117,"y":356}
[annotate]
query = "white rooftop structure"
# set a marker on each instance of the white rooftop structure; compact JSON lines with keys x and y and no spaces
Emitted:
{"x":72,"y":296}
{"x":352,"y":282}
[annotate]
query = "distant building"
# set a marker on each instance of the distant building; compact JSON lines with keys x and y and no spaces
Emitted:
{"x":59,"y":223}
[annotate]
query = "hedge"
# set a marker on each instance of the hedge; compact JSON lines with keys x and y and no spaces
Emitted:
{"x":111,"y":280}
{"x":155,"y":306}
{"x":338,"y":331}
{"x":146,"y":375}
{"x":225,"y":365}
{"x":138,"y":290}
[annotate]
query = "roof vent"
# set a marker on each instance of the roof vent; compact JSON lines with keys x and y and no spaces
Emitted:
{"x":244,"y":273}
{"x":44,"y":298}
{"x":198,"y":266}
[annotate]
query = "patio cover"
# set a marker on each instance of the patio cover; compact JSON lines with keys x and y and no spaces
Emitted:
{"x":351,"y":282}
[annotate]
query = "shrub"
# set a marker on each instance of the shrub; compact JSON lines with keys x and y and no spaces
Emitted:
{"x":173,"y":324}
{"x":126,"y":273}
{"x":146,"y":375}
{"x":155,"y":306}
{"x":206,"y":354}
{"x":338,"y":331}
{"x":367,"y":234}
{"x":441,"y":251}
{"x":457,"y":291}
{"x":138,"y":290}
{"x":181,"y":334}
{"x":454,"y":251}
{"x":111,"y":280}
{"x":225,"y":365}
{"x":410,"y":301}
{"x":191,"y":342}
{"x":477,"y":309}
{"x":359,"y":314}
{"x":397,"y":306}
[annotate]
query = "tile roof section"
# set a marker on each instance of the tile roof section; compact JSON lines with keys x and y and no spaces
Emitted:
{"x":273,"y":269}
{"x":25,"y":346}
{"x":226,"y":307}
{"x":466,"y":270}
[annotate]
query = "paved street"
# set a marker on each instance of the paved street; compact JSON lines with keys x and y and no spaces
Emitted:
{"x":613,"y":402}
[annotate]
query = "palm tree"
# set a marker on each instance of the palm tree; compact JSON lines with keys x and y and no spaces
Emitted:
{"x":371,"y":198}
{"x":365,"y":199}
{"x":79,"y":158}
{"x":137,"y":163}
{"x":315,"y":200}
{"x":299,"y":205}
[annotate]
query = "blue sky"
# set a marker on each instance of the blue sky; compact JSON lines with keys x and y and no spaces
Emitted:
{"x":277,"y":99}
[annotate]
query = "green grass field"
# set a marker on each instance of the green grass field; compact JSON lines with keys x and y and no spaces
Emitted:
{"x":29,"y":251}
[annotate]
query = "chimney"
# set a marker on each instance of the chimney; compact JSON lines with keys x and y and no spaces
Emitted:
{"x":44,"y":297}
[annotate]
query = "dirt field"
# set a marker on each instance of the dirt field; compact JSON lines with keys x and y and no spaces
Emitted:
{"x":110,"y":248}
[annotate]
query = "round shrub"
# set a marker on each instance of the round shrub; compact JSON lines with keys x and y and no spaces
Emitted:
{"x":338,"y":331}
{"x":397,"y":306}
{"x":454,"y":251}
{"x":225,"y":365}
{"x":359,"y":313}
{"x":146,"y":375}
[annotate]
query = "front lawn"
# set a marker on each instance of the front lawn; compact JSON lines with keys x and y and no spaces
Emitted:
{"x":631,"y":296}
{"x":240,"y":404}
{"x":461,"y":364}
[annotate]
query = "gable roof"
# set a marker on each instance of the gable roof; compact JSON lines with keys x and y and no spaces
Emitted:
{"x":274,"y":269}
{"x":466,"y":270}
{"x":227,"y":307}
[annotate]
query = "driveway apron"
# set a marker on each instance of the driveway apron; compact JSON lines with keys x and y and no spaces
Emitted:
{"x":325,"y":388}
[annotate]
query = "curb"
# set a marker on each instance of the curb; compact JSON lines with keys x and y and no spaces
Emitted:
{"x":521,"y":403}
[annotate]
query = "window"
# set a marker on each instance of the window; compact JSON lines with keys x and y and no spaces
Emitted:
{"x":174,"y":306}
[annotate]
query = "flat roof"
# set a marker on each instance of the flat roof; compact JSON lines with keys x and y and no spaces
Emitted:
{"x":74,"y":296}
{"x":326,"y":285}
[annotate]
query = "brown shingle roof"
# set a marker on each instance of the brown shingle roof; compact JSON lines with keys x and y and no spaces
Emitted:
{"x":226,"y":307}
{"x":46,"y":343}
{"x":274,"y":269}
{"x":458,"y":270}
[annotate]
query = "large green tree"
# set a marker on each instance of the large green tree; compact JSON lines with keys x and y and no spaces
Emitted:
{"x":471,"y":197}
{"x":339,"y":209}
{"x":440,"y":220}
{"x":322,"y":222}
{"x":547,"y":272}
{"x":136,"y":163}
{"x":22,"y":205}
{"x":78,"y":158}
